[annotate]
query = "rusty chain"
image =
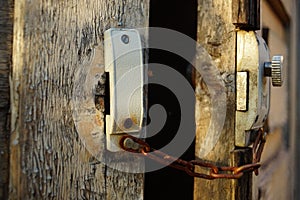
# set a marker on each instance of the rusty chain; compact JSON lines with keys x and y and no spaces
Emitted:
{"x":136,"y":145}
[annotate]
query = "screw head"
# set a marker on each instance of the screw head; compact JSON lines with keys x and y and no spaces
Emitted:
{"x":125,"y":39}
{"x":128,"y":123}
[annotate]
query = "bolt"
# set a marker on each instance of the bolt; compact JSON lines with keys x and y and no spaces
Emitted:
{"x":130,"y":144}
{"x":128,"y":123}
{"x":125,"y":39}
{"x":268,"y":69}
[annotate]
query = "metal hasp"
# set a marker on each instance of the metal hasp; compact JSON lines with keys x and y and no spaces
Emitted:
{"x":253,"y":85}
{"x":124,"y":63}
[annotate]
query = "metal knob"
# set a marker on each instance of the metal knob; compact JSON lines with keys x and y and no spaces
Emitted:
{"x":274,"y":69}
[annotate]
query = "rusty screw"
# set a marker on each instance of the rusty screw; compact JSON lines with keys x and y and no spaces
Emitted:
{"x":130,"y":144}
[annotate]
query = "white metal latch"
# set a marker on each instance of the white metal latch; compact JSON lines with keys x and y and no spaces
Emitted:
{"x":253,"y":85}
{"x":124,"y":63}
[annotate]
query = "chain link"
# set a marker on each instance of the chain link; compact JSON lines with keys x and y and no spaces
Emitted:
{"x":136,"y":145}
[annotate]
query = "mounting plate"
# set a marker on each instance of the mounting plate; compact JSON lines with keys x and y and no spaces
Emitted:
{"x":124,"y":63}
{"x":253,"y":87}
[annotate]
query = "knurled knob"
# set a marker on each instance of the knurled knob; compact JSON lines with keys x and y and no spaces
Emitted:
{"x":277,"y":71}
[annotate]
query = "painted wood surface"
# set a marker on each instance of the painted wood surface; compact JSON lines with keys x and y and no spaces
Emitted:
{"x":53,"y":40}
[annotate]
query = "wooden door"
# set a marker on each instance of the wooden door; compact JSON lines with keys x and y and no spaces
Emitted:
{"x":218,"y":22}
{"x":6,"y":35}
{"x":51,"y":41}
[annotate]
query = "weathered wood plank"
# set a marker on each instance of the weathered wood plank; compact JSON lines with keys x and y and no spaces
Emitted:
{"x":216,"y":33}
{"x":246,"y":14}
{"x":242,"y":188}
{"x":52,"y":41}
{"x":6,"y":35}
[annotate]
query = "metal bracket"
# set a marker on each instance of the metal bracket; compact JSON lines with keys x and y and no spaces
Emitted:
{"x":124,"y":63}
{"x":253,"y":85}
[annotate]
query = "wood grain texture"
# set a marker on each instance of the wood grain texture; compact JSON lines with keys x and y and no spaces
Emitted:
{"x":216,"y":33}
{"x":242,"y":188}
{"x":246,"y":14}
{"x":6,"y":35}
{"x":52,"y":41}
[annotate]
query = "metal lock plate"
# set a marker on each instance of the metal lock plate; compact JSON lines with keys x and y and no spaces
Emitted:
{"x":253,"y":87}
{"x":124,"y":63}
